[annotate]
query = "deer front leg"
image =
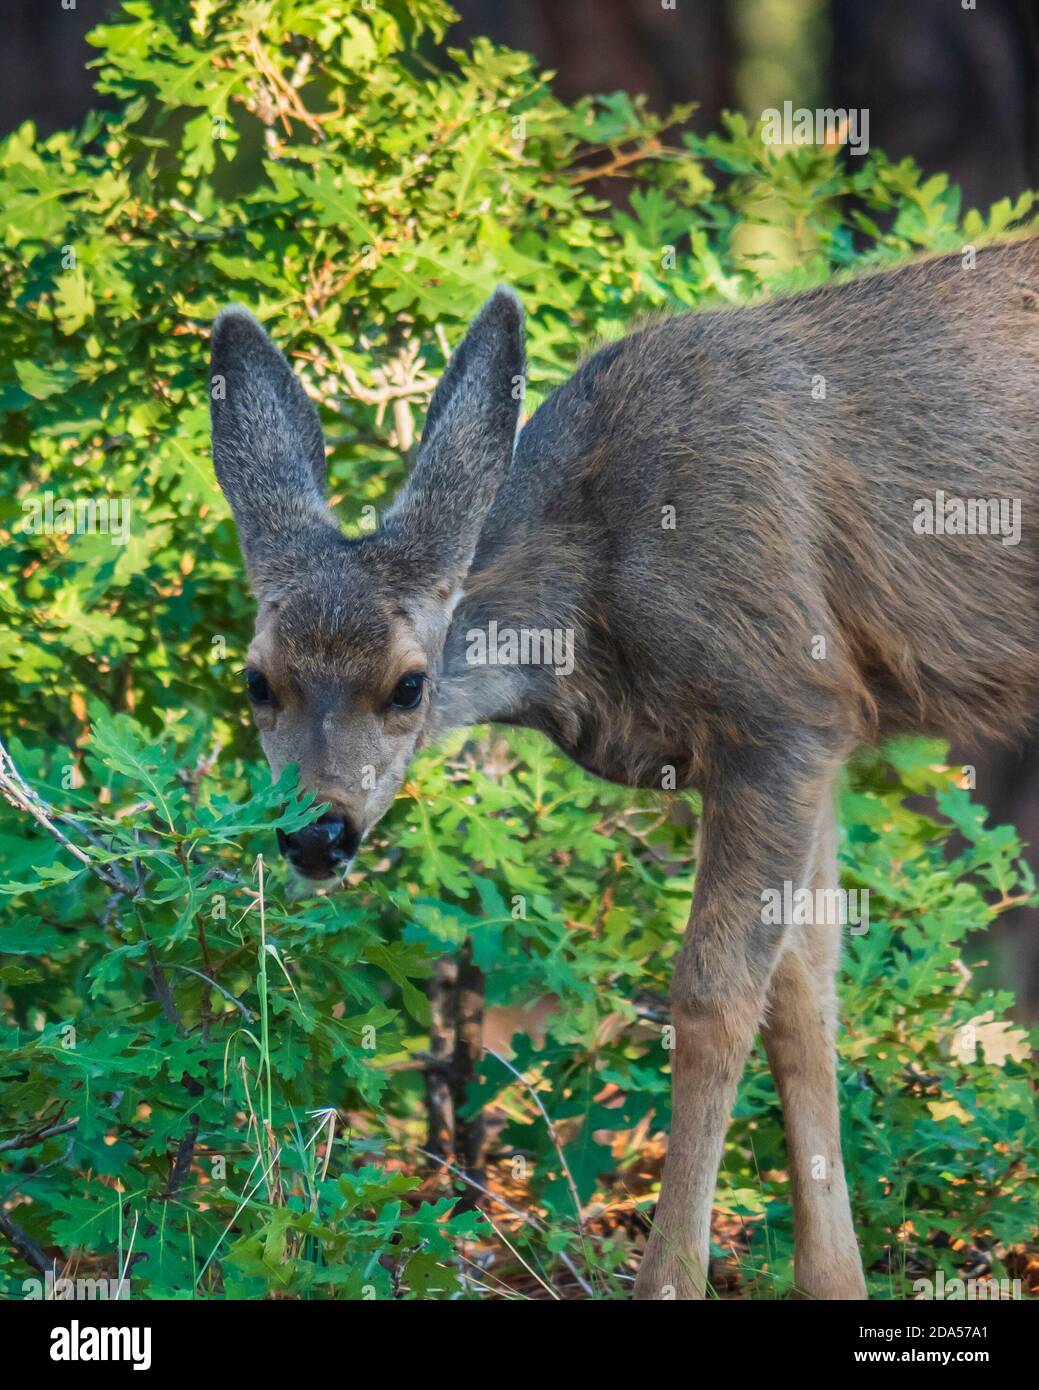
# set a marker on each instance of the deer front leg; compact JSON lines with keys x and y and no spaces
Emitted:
{"x":798,"y":1033}
{"x":757,"y":833}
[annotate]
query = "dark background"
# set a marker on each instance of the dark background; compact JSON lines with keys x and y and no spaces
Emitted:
{"x":955,"y":88}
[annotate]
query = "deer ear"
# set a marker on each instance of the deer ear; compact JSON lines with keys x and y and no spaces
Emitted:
{"x":268,"y":450}
{"x":466,"y":448}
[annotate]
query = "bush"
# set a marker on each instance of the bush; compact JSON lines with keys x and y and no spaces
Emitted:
{"x":245,"y":1082}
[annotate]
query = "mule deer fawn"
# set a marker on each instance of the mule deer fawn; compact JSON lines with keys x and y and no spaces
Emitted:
{"x":729,"y":513}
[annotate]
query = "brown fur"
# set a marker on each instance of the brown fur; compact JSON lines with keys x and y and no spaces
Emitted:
{"x":696,"y":647}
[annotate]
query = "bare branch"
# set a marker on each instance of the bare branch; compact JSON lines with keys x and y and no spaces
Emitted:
{"x":36,"y":1136}
{"x":16,"y":791}
{"x":32,"y":1253}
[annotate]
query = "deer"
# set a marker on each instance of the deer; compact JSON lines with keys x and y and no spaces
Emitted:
{"x":743,"y":516}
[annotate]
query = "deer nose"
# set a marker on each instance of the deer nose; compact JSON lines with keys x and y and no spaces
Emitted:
{"x":319,"y":849}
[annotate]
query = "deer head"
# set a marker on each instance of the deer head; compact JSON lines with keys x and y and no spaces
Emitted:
{"x":342,"y":670}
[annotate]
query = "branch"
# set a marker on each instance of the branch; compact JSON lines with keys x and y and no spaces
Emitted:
{"x":243,"y":1009}
{"x":16,"y":791}
{"x":182,"y":1163}
{"x":400,"y":382}
{"x":651,"y":150}
{"x":288,"y":100}
{"x":36,"y":1136}
{"x":24,"y":1244}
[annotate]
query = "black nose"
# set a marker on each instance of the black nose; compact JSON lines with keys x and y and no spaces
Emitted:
{"x":319,"y":849}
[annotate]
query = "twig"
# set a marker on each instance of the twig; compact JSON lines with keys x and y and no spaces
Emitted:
{"x":37,"y":1136}
{"x":30,"y":1251}
{"x":182,"y":1162}
{"x":400,"y":382}
{"x":246,"y":1012}
{"x":16,"y":791}
{"x":162,"y":990}
{"x":650,"y":150}
{"x":289,"y":97}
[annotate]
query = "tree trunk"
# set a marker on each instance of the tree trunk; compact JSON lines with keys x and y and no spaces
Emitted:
{"x":456,"y":1001}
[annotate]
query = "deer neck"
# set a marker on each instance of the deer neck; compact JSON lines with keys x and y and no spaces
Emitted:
{"x":512,"y":647}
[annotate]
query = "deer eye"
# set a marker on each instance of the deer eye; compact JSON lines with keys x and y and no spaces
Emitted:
{"x":256,"y":686}
{"x":408,"y":691}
